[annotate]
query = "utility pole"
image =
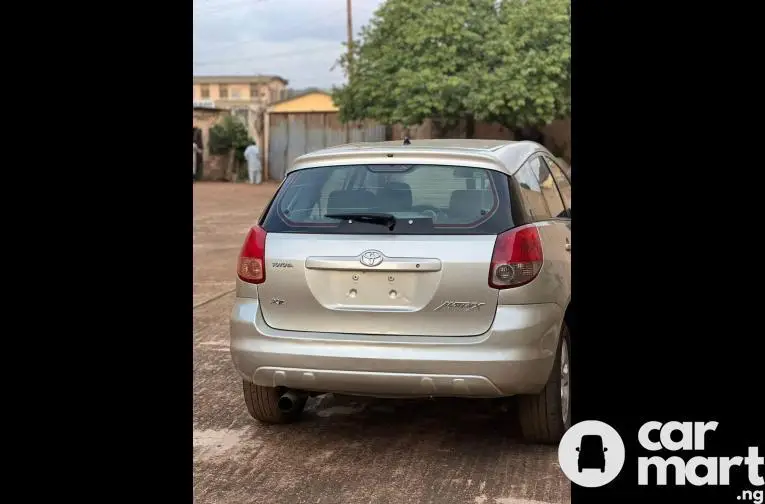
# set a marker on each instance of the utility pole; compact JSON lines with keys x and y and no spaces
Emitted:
{"x":349,"y":16}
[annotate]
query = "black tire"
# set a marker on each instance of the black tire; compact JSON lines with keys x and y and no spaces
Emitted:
{"x":262,"y":404}
{"x":541,"y":415}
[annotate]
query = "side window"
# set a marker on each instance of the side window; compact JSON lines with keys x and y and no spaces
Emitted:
{"x":564,"y":184}
{"x":549,"y":189}
{"x":531,"y":191}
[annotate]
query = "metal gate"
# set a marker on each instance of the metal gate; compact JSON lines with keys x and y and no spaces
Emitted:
{"x":294,"y":134}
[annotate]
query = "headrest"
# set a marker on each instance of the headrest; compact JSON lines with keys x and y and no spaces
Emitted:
{"x":396,"y":196}
{"x":351,"y":201}
{"x":466,"y":204}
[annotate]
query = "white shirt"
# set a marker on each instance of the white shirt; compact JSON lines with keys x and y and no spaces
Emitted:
{"x":252,"y":154}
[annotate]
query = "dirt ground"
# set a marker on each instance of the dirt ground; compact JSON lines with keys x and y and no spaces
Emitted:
{"x":344,"y":450}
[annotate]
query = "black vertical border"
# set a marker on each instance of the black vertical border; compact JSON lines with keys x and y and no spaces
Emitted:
{"x":666,"y":269}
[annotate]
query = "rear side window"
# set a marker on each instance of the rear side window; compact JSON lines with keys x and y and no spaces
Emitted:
{"x":422,"y":199}
{"x":564,"y":185}
{"x":538,"y":191}
{"x":549,"y":189}
{"x":530,"y":191}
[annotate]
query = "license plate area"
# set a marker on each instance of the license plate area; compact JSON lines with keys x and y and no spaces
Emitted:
{"x":371,"y":290}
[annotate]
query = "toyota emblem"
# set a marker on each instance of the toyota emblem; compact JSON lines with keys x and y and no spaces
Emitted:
{"x":371,"y":258}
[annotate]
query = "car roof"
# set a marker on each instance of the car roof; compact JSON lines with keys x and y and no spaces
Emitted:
{"x":504,"y":155}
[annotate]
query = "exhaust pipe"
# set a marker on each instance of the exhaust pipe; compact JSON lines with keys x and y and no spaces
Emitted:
{"x":289,"y":401}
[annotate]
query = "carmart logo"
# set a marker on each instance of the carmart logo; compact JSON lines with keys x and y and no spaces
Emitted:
{"x":692,"y":437}
{"x":591,"y":454}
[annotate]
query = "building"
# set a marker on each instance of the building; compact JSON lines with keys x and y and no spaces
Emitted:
{"x":242,"y":95}
{"x":241,"y":91}
{"x":205,"y":118}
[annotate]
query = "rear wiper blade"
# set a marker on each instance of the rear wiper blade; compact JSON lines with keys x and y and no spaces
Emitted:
{"x":385,"y":219}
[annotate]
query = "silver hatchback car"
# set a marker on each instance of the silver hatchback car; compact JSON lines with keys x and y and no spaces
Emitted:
{"x":436,"y":268}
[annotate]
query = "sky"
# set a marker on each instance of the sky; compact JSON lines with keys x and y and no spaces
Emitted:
{"x":299,"y":40}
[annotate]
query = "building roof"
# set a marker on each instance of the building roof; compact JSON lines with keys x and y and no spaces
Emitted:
{"x":237,"y":79}
{"x":310,"y":101}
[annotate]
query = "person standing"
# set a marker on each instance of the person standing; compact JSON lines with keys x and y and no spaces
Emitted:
{"x":196,"y":151}
{"x":254,"y":168}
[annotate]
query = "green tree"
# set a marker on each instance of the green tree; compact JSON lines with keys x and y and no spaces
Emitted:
{"x":229,"y":137}
{"x":504,"y":61}
{"x":527,"y":81}
{"x":414,"y":61}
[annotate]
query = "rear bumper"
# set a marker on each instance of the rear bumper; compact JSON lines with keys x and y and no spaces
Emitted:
{"x":514,"y":357}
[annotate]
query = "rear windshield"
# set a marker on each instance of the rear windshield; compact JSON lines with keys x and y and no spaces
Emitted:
{"x":391,"y":199}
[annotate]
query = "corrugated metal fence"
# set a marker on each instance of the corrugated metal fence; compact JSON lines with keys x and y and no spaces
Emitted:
{"x":294,"y":134}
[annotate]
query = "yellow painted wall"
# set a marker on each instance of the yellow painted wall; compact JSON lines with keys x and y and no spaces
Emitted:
{"x":313,"y":102}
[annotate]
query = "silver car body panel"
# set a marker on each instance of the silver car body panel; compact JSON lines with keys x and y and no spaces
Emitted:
{"x":514,"y":356}
{"x":424,"y":321}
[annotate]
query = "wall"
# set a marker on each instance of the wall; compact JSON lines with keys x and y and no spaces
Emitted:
{"x":204,"y":120}
{"x":557,"y":134}
{"x":293,"y":134}
{"x":313,"y":102}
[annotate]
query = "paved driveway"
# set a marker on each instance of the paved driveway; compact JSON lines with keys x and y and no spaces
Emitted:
{"x":344,"y":450}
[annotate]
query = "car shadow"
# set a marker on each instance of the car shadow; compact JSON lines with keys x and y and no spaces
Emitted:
{"x":467,"y":426}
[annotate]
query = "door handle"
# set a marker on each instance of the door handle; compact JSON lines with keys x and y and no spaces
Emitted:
{"x":568,"y":246}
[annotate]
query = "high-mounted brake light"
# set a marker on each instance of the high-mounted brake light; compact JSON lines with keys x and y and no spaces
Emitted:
{"x":252,"y":258}
{"x":517,"y":258}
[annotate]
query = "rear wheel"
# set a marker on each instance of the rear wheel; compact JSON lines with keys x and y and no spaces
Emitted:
{"x":544,"y":417}
{"x":263,"y":404}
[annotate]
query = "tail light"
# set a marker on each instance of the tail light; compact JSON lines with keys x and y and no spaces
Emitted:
{"x":252,"y":258}
{"x":517,"y":258}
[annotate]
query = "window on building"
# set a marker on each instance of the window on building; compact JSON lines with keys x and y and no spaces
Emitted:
{"x":274,"y":95}
{"x":223,"y":91}
{"x":204,"y":91}
{"x":254,"y":92}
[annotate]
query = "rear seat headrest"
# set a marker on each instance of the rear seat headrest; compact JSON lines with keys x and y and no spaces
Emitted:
{"x":359,"y":200}
{"x":396,"y":196}
{"x":466,"y":203}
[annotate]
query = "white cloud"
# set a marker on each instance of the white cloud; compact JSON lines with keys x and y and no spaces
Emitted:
{"x":299,"y":40}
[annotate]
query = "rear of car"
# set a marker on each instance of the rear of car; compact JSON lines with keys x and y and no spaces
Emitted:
{"x":397,"y":272}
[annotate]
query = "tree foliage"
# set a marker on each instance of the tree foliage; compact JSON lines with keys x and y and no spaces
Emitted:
{"x":229,"y":134}
{"x":527,"y":82}
{"x":506,"y":61}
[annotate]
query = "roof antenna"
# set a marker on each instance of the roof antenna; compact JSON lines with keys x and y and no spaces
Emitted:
{"x":407,"y":141}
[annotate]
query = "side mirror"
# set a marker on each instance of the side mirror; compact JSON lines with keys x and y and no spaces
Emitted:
{"x":605,"y":449}
{"x":577,"y":448}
